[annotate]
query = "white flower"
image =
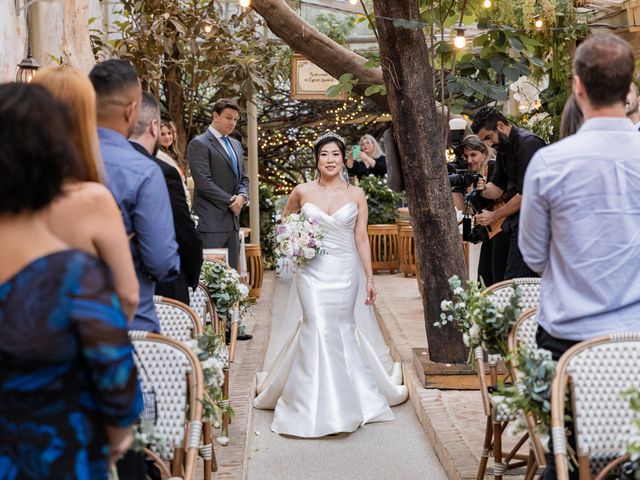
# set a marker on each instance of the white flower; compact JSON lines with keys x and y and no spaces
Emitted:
{"x":458,"y":290}
{"x":474,"y":331}
{"x":465,"y":339}
{"x":445,"y":305}
{"x":244,"y":290}
{"x":309,"y":253}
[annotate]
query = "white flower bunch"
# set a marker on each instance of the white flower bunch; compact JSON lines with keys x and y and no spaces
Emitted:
{"x":299,"y":239}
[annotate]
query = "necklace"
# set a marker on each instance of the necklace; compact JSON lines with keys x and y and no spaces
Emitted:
{"x":332,"y":192}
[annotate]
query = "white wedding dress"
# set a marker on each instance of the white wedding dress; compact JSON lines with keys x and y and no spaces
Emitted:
{"x":333,"y":372}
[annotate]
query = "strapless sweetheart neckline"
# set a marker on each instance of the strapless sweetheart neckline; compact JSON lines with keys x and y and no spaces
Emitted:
{"x":327,"y":214}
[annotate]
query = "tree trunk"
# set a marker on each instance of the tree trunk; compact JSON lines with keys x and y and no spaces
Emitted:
{"x":411,"y":95}
{"x":318,"y":48}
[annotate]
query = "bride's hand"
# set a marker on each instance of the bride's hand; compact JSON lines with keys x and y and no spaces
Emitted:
{"x":371,"y":293}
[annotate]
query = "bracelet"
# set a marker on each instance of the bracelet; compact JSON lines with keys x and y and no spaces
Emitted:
{"x":370,"y":281}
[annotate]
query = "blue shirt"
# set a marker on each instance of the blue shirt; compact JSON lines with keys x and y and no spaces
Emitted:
{"x":141,"y":192}
{"x":580,"y":228}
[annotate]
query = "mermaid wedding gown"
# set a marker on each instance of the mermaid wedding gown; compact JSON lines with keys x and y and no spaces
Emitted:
{"x":334,"y":372}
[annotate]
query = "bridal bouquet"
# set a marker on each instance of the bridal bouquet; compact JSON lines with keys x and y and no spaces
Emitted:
{"x":299,"y":239}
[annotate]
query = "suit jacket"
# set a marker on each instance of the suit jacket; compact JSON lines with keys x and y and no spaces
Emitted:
{"x":189,"y":243}
{"x":215,"y":182}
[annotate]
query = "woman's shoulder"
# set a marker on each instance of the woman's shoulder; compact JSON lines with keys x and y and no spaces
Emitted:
{"x":356,"y":193}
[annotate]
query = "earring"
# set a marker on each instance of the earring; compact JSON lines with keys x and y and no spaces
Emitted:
{"x":345,"y":173}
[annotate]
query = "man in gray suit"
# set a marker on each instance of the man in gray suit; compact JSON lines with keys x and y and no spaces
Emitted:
{"x":221,"y":185}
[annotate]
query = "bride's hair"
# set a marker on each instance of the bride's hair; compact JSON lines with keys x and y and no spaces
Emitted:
{"x":325,"y":138}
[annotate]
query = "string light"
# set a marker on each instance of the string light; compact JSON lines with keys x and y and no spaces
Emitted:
{"x":207,"y":27}
{"x":353,"y":2}
{"x":538,"y":22}
{"x":245,"y":3}
{"x":459,"y":41}
{"x":486,"y":4}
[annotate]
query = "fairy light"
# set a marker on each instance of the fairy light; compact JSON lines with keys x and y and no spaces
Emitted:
{"x":538,"y":23}
{"x":486,"y":4}
{"x":459,"y":41}
{"x":207,"y":27}
{"x":353,"y":2}
{"x":245,"y":3}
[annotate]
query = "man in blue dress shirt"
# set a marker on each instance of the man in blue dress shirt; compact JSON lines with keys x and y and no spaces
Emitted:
{"x":580,"y":215}
{"x":137,"y":184}
{"x":580,"y":221}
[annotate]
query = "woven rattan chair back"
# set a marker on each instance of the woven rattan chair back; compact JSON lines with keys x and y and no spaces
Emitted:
{"x":597,"y":370}
{"x":176,"y":377}
{"x":500,"y":293}
{"x":177,"y":320}
{"x":200,"y":301}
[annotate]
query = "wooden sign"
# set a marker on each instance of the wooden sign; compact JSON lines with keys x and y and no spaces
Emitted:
{"x":310,"y":82}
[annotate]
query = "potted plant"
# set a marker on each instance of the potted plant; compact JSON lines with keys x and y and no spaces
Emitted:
{"x":382,"y":228}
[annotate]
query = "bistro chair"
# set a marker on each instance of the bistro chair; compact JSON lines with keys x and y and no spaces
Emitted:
{"x":595,"y":373}
{"x":497,"y":418}
{"x":177,"y":320}
{"x":177,"y":381}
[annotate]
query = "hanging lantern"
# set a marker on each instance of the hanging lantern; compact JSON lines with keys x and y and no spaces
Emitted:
{"x":27,"y":68}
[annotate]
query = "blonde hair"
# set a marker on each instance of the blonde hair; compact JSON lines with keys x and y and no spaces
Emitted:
{"x":75,"y":91}
{"x":377,"y":150}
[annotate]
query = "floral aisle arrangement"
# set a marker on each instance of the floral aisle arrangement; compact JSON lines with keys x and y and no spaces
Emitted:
{"x":299,"y":239}
{"x":481,"y":323}
{"x":532,"y":392}
{"x":226,"y":290}
{"x":212,"y":353}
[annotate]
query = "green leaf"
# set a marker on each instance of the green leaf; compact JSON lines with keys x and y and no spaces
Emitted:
{"x":516,"y":44}
{"x":537,"y":61}
{"x":371,"y":63}
{"x":345,"y":77}
{"x":511,"y":73}
{"x":334,"y":90}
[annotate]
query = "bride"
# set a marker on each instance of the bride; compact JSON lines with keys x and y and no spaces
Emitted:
{"x":334,"y":373}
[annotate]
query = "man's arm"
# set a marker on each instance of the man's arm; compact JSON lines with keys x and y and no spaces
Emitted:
{"x":153,"y":225}
{"x":527,"y":149}
{"x":198,"y":158}
{"x":243,"y":183}
{"x":534,"y":236}
{"x":189,"y":243}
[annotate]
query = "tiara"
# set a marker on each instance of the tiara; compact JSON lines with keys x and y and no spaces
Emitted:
{"x":328,"y":135}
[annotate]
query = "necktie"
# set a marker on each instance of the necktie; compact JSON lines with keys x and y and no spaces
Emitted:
{"x":232,"y":154}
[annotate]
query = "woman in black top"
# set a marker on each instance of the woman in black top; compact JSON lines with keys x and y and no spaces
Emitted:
{"x":369,"y":160}
{"x":493,"y":253}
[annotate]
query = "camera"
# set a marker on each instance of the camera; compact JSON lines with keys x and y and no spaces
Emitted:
{"x":477,"y":202}
{"x":457,"y":129}
{"x":475,"y":234}
{"x":461,"y":179}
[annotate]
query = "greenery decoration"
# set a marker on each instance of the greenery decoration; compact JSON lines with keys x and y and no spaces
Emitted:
{"x":633,"y":442}
{"x":481,"y":323}
{"x":211,"y":350}
{"x":225,"y":288}
{"x":382,"y":201}
{"x":532,"y":392}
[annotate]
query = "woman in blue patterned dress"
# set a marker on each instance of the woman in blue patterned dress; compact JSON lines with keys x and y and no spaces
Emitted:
{"x":68,"y":387}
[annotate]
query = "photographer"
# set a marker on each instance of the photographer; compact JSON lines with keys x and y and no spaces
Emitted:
{"x":515,"y":148}
{"x":493,"y":253}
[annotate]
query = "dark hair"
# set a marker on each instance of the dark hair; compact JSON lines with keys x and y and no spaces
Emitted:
{"x":571,"y":119}
{"x":148,"y":111}
{"x":112,"y":76}
{"x":36,"y":152}
{"x":223,"y":103}
{"x":488,"y":118}
{"x":328,"y":138}
{"x":605,"y":65}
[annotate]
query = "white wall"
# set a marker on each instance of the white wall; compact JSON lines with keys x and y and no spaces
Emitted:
{"x":13,"y":34}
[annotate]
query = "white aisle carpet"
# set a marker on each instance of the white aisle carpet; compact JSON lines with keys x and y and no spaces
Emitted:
{"x":396,"y":450}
